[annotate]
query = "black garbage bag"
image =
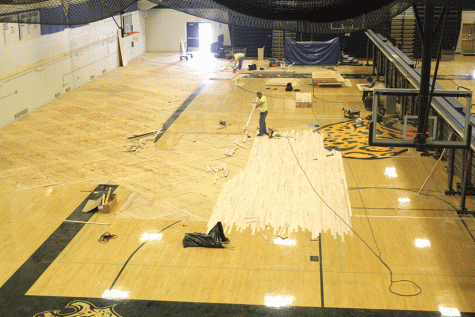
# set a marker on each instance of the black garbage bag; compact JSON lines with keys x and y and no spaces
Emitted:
{"x":214,"y":239}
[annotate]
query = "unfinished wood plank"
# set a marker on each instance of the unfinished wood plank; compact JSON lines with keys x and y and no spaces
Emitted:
{"x":91,"y":204}
{"x":336,"y":84}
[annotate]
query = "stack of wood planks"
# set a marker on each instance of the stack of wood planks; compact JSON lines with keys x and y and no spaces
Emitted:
{"x":327,"y":77}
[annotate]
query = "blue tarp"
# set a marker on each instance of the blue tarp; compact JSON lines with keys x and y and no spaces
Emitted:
{"x":312,"y":53}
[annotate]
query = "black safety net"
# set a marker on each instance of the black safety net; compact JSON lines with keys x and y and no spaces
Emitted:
{"x":60,"y":12}
{"x":308,"y":16}
{"x":311,"y":16}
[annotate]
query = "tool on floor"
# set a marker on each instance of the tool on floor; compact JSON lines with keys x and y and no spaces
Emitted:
{"x":271,"y":133}
{"x":106,"y":236}
{"x":108,"y":195}
{"x":351,"y":113}
{"x":361,"y":122}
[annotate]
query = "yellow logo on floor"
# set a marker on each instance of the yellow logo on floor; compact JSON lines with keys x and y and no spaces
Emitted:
{"x":81,"y":309}
{"x":351,"y":138}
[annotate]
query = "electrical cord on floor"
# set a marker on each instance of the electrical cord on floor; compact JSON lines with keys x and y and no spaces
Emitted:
{"x":417,"y":191}
{"x":364,"y":208}
{"x":254,"y":92}
{"x":130,"y":257}
{"x":313,"y":111}
{"x":379,"y":257}
{"x":328,"y":101}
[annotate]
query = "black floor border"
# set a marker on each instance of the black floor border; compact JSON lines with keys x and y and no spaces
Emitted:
{"x":148,"y":308}
{"x":179,"y":111}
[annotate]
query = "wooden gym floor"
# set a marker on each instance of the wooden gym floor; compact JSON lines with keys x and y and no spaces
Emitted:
{"x":289,"y":253}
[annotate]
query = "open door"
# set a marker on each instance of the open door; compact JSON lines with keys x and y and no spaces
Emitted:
{"x":198,"y":36}
{"x":193,"y":36}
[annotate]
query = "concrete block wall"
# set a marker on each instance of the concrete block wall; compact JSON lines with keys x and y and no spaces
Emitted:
{"x":41,"y":68}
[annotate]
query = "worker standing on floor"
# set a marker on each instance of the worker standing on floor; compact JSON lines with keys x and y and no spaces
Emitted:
{"x":261,"y":103}
{"x":238,"y":57}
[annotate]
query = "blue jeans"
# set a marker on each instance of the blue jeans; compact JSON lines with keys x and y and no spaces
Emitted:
{"x":240,"y":62}
{"x":262,"y":123}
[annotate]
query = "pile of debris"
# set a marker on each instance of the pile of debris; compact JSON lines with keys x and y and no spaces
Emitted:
{"x":137,"y":147}
{"x":230,"y":152}
{"x":217,"y":169}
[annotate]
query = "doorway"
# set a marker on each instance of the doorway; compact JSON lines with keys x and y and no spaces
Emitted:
{"x":468,"y":39}
{"x":198,"y":36}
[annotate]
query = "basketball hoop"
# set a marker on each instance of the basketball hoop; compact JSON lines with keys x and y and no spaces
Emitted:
{"x":129,"y":33}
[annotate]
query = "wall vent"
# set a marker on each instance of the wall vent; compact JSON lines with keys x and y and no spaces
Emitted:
{"x":21,"y":113}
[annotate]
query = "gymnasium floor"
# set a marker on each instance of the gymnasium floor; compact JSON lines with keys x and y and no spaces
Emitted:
{"x":301,"y":260}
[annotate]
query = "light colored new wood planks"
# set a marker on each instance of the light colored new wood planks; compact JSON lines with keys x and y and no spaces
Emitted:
{"x":326,"y":76}
{"x":274,"y":191}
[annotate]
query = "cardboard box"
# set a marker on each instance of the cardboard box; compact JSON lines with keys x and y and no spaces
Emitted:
{"x":108,"y":206}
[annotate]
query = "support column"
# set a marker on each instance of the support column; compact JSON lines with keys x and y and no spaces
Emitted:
{"x":425,"y":76}
{"x":467,"y":153}
{"x":374,"y":58}
{"x":450,"y":172}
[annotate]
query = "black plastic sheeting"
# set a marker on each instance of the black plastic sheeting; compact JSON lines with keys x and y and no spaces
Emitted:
{"x":312,"y":53}
{"x":214,"y":239}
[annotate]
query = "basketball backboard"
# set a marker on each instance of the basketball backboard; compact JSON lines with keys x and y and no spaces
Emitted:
{"x":407,"y":125}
